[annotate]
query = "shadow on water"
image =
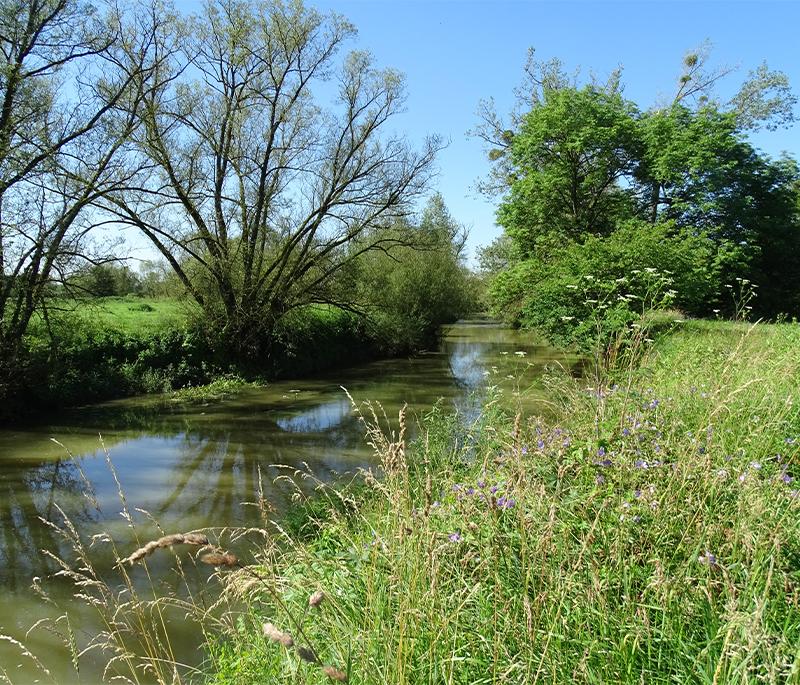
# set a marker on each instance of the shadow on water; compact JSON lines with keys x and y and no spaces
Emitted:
{"x":194,"y":465}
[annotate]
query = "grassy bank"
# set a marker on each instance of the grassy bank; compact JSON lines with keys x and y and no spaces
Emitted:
{"x":650,"y":535}
{"x":121,"y":346}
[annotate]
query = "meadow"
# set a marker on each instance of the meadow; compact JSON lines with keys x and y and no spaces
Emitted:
{"x":650,"y":534}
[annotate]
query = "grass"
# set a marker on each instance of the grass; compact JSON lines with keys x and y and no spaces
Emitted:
{"x":650,"y":533}
{"x":133,"y":314}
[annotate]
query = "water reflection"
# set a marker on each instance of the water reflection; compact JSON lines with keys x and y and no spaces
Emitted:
{"x":195,"y":466}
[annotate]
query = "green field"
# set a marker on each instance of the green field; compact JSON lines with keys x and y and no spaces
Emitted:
{"x":135,"y":314}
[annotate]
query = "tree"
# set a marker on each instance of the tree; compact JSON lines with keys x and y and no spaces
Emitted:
{"x":250,"y":188}
{"x":70,"y":80}
{"x":414,"y":289}
{"x":583,"y":161}
{"x":569,"y":155}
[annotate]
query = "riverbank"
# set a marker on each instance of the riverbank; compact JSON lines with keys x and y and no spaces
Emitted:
{"x":649,"y":534}
{"x":118,"y":347}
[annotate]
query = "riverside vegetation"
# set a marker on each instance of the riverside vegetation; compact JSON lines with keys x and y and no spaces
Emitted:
{"x":646,"y":530}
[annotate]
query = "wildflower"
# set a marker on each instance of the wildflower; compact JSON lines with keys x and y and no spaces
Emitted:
{"x":708,"y":559}
{"x":454,"y":537}
{"x":601,"y":452}
{"x":640,"y":464}
{"x":626,"y":432}
{"x":540,"y":444}
{"x":600,"y":479}
{"x":637,"y":493}
{"x":505,"y":503}
{"x":756,"y":466}
{"x":786,"y":478}
{"x":604,"y":463}
{"x":493,"y":489}
{"x":481,"y":484}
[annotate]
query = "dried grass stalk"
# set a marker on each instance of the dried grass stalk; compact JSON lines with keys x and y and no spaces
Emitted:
{"x":197,"y":539}
{"x":316,"y":599}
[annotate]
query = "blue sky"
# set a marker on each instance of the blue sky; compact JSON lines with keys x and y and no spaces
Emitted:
{"x":454,"y":53}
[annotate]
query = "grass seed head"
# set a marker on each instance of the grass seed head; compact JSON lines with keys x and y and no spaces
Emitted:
{"x":276,"y":635}
{"x":335,"y":674}
{"x":316,"y":599}
{"x":306,"y":654}
{"x":220,"y":559}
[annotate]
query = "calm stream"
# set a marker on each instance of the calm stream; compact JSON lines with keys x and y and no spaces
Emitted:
{"x":194,"y":466}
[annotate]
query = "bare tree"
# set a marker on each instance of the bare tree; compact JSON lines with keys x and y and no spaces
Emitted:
{"x":70,"y":78}
{"x":250,"y":184}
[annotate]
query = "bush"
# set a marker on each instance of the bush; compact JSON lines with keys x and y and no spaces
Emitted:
{"x":583,"y":294}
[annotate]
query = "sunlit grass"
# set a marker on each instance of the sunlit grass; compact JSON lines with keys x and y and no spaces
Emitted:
{"x":649,"y":533}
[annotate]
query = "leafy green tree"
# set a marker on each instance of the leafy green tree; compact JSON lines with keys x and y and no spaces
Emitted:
{"x":583,"y":164}
{"x":411,"y":290}
{"x":569,"y":156}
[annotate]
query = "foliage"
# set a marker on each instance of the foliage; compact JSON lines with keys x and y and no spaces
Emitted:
{"x":585,"y":293}
{"x":585,"y":166}
{"x":59,"y":144}
{"x":410,"y":291}
{"x":567,"y":157}
{"x":251,"y":189}
{"x":651,"y":531}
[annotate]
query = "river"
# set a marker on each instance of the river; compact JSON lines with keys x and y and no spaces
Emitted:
{"x":193,"y":466}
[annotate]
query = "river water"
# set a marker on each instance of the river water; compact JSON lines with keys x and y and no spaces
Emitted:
{"x":193,"y":466}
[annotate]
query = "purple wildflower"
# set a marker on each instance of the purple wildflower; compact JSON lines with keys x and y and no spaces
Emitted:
{"x":454,"y":537}
{"x":786,"y":478}
{"x":601,"y":452}
{"x":708,"y":559}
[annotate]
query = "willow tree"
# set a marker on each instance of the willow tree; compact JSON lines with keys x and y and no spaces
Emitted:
{"x":71,"y":76}
{"x":262,"y":159}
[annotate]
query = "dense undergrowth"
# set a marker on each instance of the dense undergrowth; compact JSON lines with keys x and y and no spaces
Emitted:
{"x":652,"y":534}
{"x":120,"y":347}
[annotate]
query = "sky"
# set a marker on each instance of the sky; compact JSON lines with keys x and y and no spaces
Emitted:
{"x":454,"y":53}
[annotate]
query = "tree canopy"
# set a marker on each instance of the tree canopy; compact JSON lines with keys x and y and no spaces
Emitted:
{"x":584,"y":164}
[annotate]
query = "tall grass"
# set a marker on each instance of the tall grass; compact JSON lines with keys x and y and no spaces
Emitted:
{"x":650,"y":533}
